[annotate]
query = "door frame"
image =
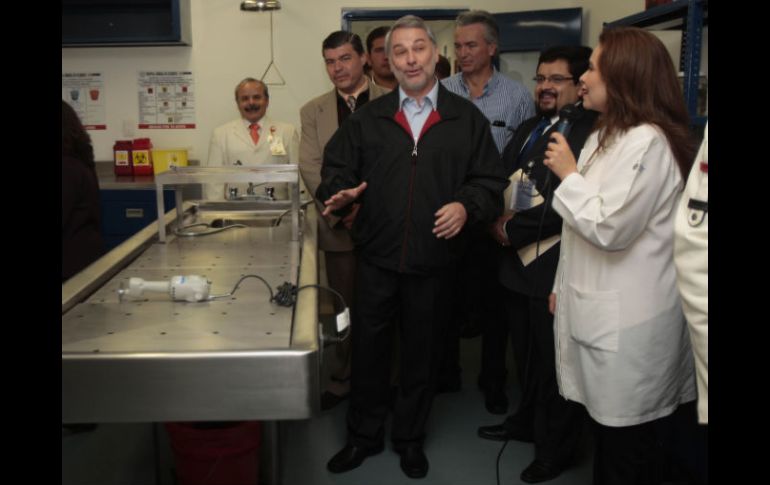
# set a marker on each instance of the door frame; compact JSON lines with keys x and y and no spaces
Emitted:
{"x":358,"y":14}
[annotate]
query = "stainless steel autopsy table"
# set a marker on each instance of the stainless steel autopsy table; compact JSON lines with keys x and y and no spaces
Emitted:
{"x":235,"y":358}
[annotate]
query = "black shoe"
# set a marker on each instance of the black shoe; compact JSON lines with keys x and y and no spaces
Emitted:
{"x":413,"y":461}
{"x":540,"y":471}
{"x":329,"y":400}
{"x":500,"y":432}
{"x":495,"y":400}
{"x":351,"y":457}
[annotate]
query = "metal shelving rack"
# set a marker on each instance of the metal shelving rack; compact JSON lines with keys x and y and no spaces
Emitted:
{"x":689,"y":16}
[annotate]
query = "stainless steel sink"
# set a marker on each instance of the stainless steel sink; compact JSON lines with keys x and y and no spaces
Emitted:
{"x":243,"y":205}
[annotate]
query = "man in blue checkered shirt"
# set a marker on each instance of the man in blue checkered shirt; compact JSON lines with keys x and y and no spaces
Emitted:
{"x":505,"y":102}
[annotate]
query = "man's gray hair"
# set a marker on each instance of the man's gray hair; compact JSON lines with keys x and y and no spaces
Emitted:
{"x":251,"y":80}
{"x":491,"y":31}
{"x":409,"y":22}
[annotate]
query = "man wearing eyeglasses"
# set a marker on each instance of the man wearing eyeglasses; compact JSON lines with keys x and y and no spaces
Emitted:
{"x":528,"y":233}
{"x":505,"y":103}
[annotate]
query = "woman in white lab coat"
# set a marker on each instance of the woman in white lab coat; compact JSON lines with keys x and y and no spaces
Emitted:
{"x":622,"y":347}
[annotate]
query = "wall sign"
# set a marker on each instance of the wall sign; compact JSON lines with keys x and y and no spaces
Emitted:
{"x":166,"y":100}
{"x":84,"y":91}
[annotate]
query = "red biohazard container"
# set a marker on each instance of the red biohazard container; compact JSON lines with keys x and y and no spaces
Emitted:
{"x":122,"y":157}
{"x":141,"y":156}
{"x":221,"y":455}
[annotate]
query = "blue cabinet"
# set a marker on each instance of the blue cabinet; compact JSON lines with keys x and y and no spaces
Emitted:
{"x":125,"y":212}
{"x":111,"y":23}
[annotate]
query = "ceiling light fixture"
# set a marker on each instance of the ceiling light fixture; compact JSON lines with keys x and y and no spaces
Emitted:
{"x":260,"y":5}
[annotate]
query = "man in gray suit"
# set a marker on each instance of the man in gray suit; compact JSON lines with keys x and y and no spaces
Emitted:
{"x":345,"y":59}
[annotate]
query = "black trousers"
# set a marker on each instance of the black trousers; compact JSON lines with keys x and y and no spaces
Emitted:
{"x":476,"y":301}
{"x":420,"y":306}
{"x":672,"y":449}
{"x":554,"y":421}
{"x":627,"y":455}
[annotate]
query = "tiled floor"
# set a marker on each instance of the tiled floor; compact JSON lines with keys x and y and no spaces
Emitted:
{"x":139,"y":454}
{"x":457,"y":456}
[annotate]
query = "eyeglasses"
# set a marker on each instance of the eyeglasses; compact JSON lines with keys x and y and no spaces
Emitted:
{"x":555,"y":79}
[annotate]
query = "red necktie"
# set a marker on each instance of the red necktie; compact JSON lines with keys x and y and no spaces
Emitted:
{"x":254,"y":129}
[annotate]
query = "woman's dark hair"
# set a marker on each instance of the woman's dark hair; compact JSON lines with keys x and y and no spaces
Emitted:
{"x":75,"y":141}
{"x":642,"y":87}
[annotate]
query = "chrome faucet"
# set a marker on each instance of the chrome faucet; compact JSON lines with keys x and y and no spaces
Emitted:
{"x":250,"y":195}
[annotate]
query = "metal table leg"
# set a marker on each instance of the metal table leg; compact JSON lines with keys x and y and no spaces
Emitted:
{"x":271,"y":441}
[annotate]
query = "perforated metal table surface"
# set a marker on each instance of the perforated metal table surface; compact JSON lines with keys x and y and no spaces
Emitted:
{"x":235,"y":358}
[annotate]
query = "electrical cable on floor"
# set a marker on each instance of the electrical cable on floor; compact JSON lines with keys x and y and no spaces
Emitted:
{"x":497,"y":470}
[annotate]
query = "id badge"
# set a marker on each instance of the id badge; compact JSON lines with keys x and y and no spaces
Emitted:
{"x":523,"y":195}
{"x":276,"y":145}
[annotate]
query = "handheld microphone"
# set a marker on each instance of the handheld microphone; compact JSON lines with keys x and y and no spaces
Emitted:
{"x":567,"y":115}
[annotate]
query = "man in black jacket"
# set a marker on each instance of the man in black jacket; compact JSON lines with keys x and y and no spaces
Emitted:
{"x":422,"y":163}
{"x":529,"y":232}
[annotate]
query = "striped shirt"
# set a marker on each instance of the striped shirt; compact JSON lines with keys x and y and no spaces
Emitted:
{"x":505,"y":103}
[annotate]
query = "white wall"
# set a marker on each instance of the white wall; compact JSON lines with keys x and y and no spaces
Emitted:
{"x":228,"y":45}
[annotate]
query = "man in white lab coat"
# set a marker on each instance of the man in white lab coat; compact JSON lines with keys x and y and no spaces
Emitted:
{"x":253,"y":139}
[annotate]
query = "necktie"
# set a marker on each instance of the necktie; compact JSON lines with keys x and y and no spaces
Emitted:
{"x":254,"y":129}
{"x":351,"y":103}
{"x":536,"y":133}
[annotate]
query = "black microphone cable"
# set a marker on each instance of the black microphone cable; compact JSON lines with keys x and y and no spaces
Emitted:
{"x":530,"y":343}
{"x":567,"y":115}
{"x":499,"y":455}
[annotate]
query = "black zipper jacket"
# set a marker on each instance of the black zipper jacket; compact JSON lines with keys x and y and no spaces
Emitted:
{"x":454,"y":160}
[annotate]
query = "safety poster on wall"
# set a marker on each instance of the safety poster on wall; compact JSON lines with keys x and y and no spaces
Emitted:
{"x":166,"y":100}
{"x":84,"y":91}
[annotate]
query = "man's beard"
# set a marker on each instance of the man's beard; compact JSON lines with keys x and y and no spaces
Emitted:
{"x":549,"y":113}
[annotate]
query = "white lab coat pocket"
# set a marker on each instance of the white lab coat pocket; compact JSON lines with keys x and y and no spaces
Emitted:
{"x":697,"y":204}
{"x":594,"y":317}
